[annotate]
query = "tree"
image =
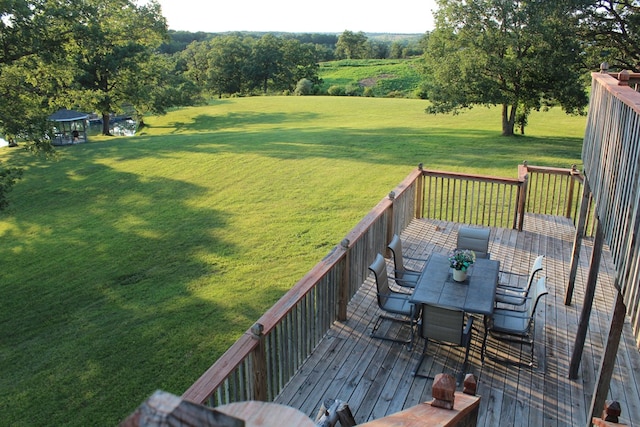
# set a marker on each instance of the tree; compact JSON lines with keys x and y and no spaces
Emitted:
{"x":228,"y":60}
{"x":352,"y":45}
{"x":300,"y":61}
{"x":32,"y":34}
{"x":31,"y":37}
{"x":32,"y":28}
{"x":610,"y":30}
{"x":520,"y":55}
{"x":266,"y":60}
{"x":112,"y":40}
{"x":158,"y":85}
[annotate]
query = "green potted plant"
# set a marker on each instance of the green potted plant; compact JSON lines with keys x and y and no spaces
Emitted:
{"x":460,"y":260}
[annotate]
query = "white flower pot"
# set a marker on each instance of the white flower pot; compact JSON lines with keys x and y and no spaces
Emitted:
{"x":459,"y":275}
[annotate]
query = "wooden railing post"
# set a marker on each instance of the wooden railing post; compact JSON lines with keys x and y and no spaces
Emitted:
{"x":390,"y":222}
{"x":420,"y":194}
{"x":259,"y":364}
{"x":522,"y":197}
{"x":343,"y":293}
{"x":572,"y":184}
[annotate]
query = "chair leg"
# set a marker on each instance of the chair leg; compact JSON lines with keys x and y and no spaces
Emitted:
{"x":484,"y":340}
{"x":392,"y":319}
{"x":416,"y":373}
{"x":530,"y":341}
{"x":533,"y":341}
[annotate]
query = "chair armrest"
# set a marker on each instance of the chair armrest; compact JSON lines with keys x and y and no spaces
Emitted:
{"x":396,"y":295}
{"x":407,"y":272}
{"x":416,"y":259}
{"x":514,"y":292}
{"x":509,"y":287}
{"x":511,"y":313}
{"x":405,"y":283}
{"x":511,"y":273}
{"x":469,"y":325}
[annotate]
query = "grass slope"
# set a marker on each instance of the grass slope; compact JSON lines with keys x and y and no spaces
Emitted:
{"x":131,"y":264}
{"x":397,"y":77}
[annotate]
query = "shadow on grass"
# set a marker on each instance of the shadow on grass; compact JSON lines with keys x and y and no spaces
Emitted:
{"x":101,"y":276}
{"x":280,"y":138}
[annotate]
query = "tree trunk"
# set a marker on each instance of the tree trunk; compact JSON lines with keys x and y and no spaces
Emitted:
{"x":105,"y":123}
{"x":508,"y":119}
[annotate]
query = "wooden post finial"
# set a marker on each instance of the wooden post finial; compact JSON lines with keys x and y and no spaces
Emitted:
{"x":623,"y":78}
{"x":612,"y":411}
{"x":470,"y":385}
{"x":257,"y":329}
{"x":443,"y":391}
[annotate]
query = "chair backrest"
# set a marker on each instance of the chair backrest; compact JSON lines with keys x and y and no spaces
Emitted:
{"x":395,"y":246}
{"x":475,"y":239}
{"x":442,"y":324}
{"x":538,"y":291}
{"x":379,"y":269}
{"x":535,"y":268}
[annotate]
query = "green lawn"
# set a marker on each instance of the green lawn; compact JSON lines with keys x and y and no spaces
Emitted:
{"x":131,"y":264}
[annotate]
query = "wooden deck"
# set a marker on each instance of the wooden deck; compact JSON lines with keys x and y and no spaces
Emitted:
{"x":375,"y":377}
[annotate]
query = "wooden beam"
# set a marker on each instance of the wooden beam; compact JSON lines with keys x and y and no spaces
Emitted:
{"x":589,"y":293}
{"x":575,"y":257}
{"x":607,"y":364}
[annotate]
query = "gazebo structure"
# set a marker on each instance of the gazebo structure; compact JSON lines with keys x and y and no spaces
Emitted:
{"x":71,"y":127}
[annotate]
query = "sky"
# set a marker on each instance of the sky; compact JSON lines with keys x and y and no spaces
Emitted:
{"x":326,"y":16}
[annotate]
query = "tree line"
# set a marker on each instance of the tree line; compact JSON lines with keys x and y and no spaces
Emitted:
{"x":328,"y":47}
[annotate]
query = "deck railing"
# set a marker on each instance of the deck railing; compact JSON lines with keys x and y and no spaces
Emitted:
{"x":502,"y":202}
{"x":260,"y":363}
{"x":263,"y":360}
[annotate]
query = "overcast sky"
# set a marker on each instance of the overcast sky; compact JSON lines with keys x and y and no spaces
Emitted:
{"x":326,"y":16}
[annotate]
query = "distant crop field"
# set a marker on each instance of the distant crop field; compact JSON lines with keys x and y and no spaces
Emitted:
{"x":385,"y":77}
{"x":131,"y":264}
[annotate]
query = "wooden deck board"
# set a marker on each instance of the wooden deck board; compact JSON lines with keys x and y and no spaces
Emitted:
{"x":375,"y":377}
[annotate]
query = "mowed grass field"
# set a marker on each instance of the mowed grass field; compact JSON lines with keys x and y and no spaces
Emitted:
{"x":131,"y":264}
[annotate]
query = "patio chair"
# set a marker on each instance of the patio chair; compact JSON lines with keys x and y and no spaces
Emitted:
{"x":513,"y":325}
{"x":403,"y":276}
{"x":515,"y":295}
{"x":393,"y":302}
{"x":445,"y":326}
{"x":475,"y":239}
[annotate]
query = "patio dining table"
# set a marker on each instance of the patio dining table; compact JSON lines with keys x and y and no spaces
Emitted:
{"x":475,"y":295}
